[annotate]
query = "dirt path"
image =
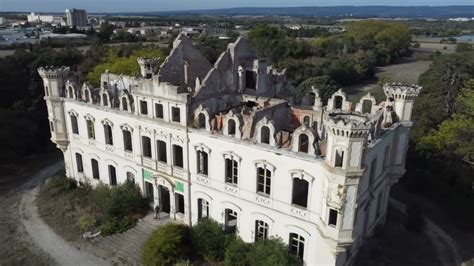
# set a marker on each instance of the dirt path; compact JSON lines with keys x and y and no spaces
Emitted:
{"x":60,"y":251}
{"x":446,"y":247}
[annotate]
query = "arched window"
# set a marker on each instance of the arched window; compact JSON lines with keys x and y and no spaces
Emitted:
{"x":306,"y":120}
{"x":109,"y":140}
{"x":87,"y":96}
{"x":124,"y":104}
{"x":105,"y":101}
{"x":230,"y":221}
{"x":231,"y":127}
{"x":127,"y":140}
{"x":366,"y":106}
{"x":264,"y":179}
{"x":202,"y":162}
{"x":70,"y":92}
{"x":203,"y":209}
{"x":339,"y":158}
{"x":265,"y":135}
{"x":300,"y":192}
{"x":303,"y":143}
{"x":296,"y":245}
{"x":146,"y":146}
{"x":74,"y":126}
{"x":338,"y":102}
{"x":112,"y":175}
{"x":201,"y":121}
{"x":261,"y":230}
{"x":130,"y":177}
{"x":95,"y":169}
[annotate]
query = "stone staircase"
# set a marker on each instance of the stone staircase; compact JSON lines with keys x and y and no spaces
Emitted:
{"x":127,"y":247}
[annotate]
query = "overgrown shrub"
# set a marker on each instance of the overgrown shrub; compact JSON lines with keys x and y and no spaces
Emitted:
{"x":59,"y":184}
{"x":210,"y":241}
{"x":117,"y":225}
{"x":87,"y":222}
{"x":167,"y":245}
{"x":237,"y":252}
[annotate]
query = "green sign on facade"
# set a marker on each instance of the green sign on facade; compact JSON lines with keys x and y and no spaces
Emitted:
{"x":179,"y":186}
{"x":148,"y":175}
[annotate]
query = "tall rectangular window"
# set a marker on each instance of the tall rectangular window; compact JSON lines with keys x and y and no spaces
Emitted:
{"x":159,"y":110}
{"x":90,"y":129}
{"x":143,"y":107}
{"x":162,"y":151}
{"x":179,"y":203}
{"x":300,"y":192}
{"x":127,"y":140}
{"x":178,"y":156}
{"x":332,"y":217}
{"x":74,"y":126}
{"x":95,"y":169}
{"x":146,"y":146}
{"x":202,"y":163}
{"x":112,"y":175}
{"x":231,"y":171}
{"x":80,"y":167}
{"x":175,"y":114}
{"x":203,"y":209}
{"x":264,"y":177}
{"x":109,"y":140}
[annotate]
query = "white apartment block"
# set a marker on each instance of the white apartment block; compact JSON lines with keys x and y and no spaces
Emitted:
{"x":206,"y":140}
{"x":76,"y":17}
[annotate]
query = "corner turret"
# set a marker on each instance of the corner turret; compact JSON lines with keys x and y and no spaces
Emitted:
{"x":403,"y":97}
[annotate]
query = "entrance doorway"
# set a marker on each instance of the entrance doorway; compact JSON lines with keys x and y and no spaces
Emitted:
{"x":164,"y":195}
{"x":149,"y":192}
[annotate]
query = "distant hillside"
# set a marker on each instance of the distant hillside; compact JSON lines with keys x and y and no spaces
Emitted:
{"x":333,"y":11}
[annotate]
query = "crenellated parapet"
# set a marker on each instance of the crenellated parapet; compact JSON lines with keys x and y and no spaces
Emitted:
{"x":54,"y":72}
{"x":401,"y":91}
{"x":347,"y":124}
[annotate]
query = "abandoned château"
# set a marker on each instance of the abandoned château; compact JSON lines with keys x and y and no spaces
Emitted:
{"x":218,"y":141}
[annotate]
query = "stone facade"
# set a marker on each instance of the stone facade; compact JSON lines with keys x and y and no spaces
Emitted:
{"x":216,"y":141}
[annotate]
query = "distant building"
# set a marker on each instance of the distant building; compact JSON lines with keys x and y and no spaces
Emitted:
{"x":2,"y":21}
{"x":38,"y":18}
{"x":76,"y":17}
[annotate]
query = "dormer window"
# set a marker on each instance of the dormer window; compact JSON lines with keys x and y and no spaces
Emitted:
{"x":250,"y":79}
{"x":231,"y":127}
{"x":265,"y":135}
{"x":201,"y":121}
{"x":124,"y":104}
{"x":105,"y":100}
{"x":303,"y":143}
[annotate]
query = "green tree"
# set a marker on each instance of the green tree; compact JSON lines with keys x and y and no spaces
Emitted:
{"x":210,"y":241}
{"x":324,"y":84}
{"x":106,"y":31}
{"x":167,"y":245}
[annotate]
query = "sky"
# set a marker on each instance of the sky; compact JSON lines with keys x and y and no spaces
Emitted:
{"x":167,"y":5}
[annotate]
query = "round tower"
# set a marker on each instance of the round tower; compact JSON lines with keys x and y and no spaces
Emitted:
{"x":54,"y":80}
{"x":148,"y":66}
{"x":347,"y":134}
{"x":403,"y":97}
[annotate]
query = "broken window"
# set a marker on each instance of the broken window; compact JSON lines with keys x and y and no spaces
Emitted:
{"x":179,"y":203}
{"x":264,"y":177}
{"x":175,"y":114}
{"x":339,"y":158}
{"x":130,"y":177}
{"x":203,"y":209}
{"x":306,"y":120}
{"x":265,"y":135}
{"x":80,"y":167}
{"x":296,"y":245}
{"x":74,"y":126}
{"x":90,"y":129}
{"x":127,"y":140}
{"x":70,"y":92}
{"x":87,"y":96}
{"x":201,"y":121}
{"x":178,"y":156}
{"x":250,"y":79}
{"x":231,"y":171}
{"x":303,"y":143}
{"x":231,"y":127}
{"x":146,"y":146}
{"x":95,"y":169}
{"x":202,"y":162}
{"x":261,"y":230}
{"x":143,"y":107}
{"x":159,"y":110}
{"x":109,"y":140}
{"x":124,"y":104}
{"x":112,"y":176}
{"x":105,"y":101}
{"x":300,"y":192}
{"x":162,"y":151}
{"x":338,"y":102}
{"x":230,"y":221}
{"x":366,"y":106}
{"x":332,"y":217}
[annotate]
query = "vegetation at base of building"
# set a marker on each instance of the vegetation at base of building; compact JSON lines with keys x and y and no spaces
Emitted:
{"x":73,"y":210}
{"x":207,"y":242}
{"x":415,"y":221}
{"x":168,"y":245}
{"x":440,"y":163}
